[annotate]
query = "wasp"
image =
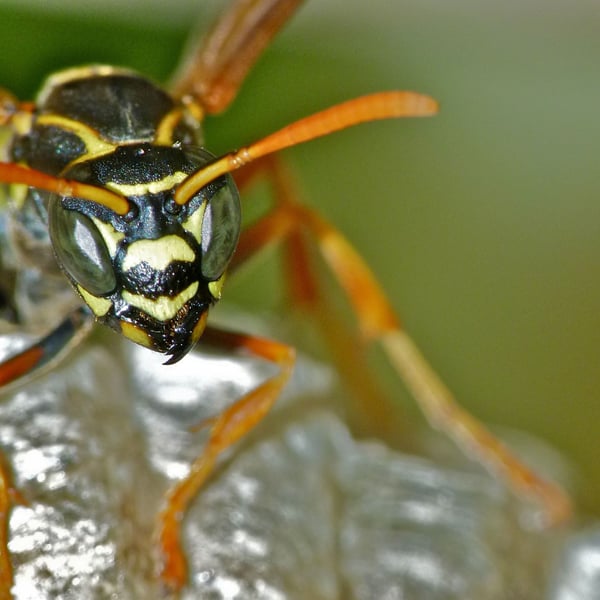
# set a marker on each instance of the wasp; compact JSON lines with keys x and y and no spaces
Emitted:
{"x":113,"y":190}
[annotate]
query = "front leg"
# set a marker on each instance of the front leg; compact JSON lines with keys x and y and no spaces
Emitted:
{"x":225,"y":430}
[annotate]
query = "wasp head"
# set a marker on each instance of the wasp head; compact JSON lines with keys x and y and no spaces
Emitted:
{"x":153,"y":273}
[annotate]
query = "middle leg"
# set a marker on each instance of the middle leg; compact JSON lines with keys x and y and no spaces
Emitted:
{"x":288,"y":222}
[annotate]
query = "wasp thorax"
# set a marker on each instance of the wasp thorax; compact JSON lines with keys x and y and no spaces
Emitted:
{"x":153,"y":273}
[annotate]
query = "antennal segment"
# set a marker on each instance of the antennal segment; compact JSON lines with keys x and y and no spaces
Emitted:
{"x":13,"y":173}
{"x":383,"y":105}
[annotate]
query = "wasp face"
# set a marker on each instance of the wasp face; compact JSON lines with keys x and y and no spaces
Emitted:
{"x":153,"y":273}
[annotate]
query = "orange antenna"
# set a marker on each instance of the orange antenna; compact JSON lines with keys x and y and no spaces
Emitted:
{"x":12,"y":173}
{"x":384,"y":105}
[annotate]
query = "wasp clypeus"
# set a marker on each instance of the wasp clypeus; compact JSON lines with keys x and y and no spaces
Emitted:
{"x":111,"y":172}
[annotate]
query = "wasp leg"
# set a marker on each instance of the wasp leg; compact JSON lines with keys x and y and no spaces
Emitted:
{"x":213,"y":71}
{"x":47,"y":351}
{"x":30,"y":362}
{"x":226,"y":429}
{"x":378,"y":322}
{"x":10,"y":107}
{"x":7,"y":494}
{"x":374,"y":413}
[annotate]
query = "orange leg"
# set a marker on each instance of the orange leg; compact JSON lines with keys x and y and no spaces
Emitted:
{"x":214,"y":71}
{"x":40,"y":355}
{"x":225,"y":430}
{"x":377,"y":322}
{"x":9,"y":496}
{"x":371,"y":413}
{"x":5,"y":506}
{"x":48,"y":350}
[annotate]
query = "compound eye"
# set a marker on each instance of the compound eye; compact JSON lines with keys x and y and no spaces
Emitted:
{"x":80,"y":249}
{"x":220,"y":229}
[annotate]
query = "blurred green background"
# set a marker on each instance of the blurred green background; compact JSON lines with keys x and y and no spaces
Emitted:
{"x":483,"y":223}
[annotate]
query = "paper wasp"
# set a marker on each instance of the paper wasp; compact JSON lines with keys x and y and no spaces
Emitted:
{"x":110,"y":172}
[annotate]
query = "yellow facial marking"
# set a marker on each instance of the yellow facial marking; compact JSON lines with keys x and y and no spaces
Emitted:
{"x":152,"y":187}
{"x":135,"y":334}
{"x":162,"y":308}
{"x":216,"y":287}
{"x":193,"y":223}
{"x":111,"y":236}
{"x":199,"y":327}
{"x":99,"y":306}
{"x":159,"y":253}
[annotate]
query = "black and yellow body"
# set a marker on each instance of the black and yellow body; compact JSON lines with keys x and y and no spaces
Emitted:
{"x":152,"y":273}
{"x":109,"y":184}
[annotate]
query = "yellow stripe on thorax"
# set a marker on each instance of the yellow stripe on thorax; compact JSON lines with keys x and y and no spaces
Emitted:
{"x":166,"y":127}
{"x":94,"y":144}
{"x":60,"y":78}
